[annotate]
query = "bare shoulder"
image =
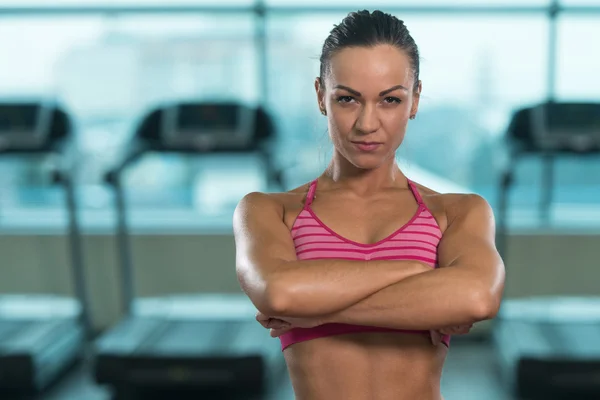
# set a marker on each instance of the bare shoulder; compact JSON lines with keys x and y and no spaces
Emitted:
{"x":260,"y":203}
{"x":455,"y":207}
{"x":468,"y":207}
{"x":256,"y":201}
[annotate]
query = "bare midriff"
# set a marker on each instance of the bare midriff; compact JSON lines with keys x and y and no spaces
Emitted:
{"x":359,"y":366}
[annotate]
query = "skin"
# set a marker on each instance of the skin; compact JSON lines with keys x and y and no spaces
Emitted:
{"x":369,"y":94}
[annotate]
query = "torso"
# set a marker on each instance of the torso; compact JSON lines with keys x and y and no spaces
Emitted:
{"x":372,"y":365}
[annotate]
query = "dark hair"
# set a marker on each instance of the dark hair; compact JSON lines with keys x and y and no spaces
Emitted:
{"x":366,"y":29}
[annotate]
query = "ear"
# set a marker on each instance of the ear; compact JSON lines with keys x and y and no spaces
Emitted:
{"x":320,"y":90}
{"x":416,"y":97}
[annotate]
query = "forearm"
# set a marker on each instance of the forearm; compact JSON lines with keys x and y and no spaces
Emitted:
{"x":437,"y":299}
{"x":314,"y":288}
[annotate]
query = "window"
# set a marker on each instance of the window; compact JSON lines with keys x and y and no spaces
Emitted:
{"x":123,"y":3}
{"x":381,"y":4}
{"x":108,"y":71}
{"x":577,"y":69}
{"x":577,"y":64}
{"x":33,"y":49}
{"x":580,"y":2}
{"x":109,"y":68}
{"x":473,"y":75}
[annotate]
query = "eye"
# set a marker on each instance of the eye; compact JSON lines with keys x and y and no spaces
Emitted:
{"x":344,"y":99}
{"x":392,"y":100}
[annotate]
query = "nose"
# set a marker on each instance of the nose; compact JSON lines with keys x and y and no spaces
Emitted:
{"x":368,"y":120}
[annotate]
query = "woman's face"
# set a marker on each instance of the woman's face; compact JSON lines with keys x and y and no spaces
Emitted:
{"x":369,"y":97}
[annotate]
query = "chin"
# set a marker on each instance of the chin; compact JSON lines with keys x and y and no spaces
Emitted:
{"x":367,"y":162}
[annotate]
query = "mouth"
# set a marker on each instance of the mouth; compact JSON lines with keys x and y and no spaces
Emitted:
{"x":367,"y":146}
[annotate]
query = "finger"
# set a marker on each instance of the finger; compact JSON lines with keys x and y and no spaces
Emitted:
{"x":278,"y":332}
{"x":261,"y":317}
{"x":277,"y":323}
{"x":265,"y":324}
{"x":273,"y":323}
{"x":449,"y":331}
{"x":456,"y":330}
{"x":463,"y":328}
{"x":436,"y":337}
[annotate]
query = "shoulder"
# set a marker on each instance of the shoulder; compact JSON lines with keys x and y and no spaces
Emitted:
{"x":254,"y":201}
{"x":467,"y":205}
{"x":470,"y":215}
{"x":260,"y":202}
{"x":454,"y":208}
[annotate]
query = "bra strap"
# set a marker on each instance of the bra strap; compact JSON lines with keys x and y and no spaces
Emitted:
{"x":415,"y":192}
{"x":311,"y":194}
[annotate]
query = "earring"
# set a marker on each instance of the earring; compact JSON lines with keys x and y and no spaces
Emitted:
{"x":323,"y":112}
{"x":413,"y":116}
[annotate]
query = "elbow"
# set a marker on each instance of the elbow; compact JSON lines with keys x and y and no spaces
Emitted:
{"x":484,"y":305}
{"x":275,"y":300}
{"x":269,"y":294}
{"x":265,"y":294}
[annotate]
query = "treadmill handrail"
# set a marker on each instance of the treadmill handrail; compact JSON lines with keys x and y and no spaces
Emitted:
{"x":134,"y":151}
{"x":137,"y":147}
{"x":63,"y":175}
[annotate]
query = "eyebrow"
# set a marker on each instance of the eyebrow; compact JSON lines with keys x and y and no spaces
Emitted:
{"x":358,"y":94}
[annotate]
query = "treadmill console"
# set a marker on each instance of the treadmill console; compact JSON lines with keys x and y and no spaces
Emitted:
{"x":24,"y":126}
{"x":208,"y":126}
{"x":559,"y":127}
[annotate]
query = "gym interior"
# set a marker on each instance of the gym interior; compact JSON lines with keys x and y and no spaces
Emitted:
{"x":129,"y":131}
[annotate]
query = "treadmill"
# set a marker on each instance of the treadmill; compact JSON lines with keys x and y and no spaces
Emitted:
{"x":42,"y":336}
{"x":548,"y":347}
{"x":172,"y":347}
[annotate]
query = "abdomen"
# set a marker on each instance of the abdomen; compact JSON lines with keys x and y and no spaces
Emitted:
{"x":377,"y":366}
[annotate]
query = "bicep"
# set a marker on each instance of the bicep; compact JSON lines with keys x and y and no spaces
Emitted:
{"x":469,"y":243}
{"x":470,"y":234}
{"x":263,"y":244}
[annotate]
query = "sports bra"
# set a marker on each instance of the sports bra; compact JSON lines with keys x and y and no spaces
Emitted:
{"x":416,"y":240}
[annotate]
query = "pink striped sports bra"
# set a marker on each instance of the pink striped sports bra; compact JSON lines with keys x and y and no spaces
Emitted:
{"x":416,"y":240}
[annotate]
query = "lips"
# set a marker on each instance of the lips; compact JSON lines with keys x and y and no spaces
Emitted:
{"x":367,"y":146}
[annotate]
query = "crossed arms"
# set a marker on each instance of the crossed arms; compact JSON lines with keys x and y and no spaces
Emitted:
{"x":467,"y":287}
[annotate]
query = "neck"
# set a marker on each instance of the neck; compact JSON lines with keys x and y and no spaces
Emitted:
{"x":362,"y":181}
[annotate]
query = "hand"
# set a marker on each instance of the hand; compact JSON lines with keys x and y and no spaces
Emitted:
{"x":279,"y":326}
{"x":436,"y":335}
{"x":270,"y":322}
{"x":302,"y":322}
{"x":456,"y":330}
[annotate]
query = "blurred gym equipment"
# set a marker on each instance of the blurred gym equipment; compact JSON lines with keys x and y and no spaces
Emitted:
{"x":193,"y":344}
{"x":548,"y":347}
{"x":41,"y":336}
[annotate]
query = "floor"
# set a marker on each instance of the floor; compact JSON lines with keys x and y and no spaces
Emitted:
{"x":469,"y":375}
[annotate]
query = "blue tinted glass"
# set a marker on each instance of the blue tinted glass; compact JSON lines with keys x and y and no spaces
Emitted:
{"x":123,"y":3}
{"x":394,"y":3}
{"x":473,"y":77}
{"x":577,"y":66}
{"x":110,"y":69}
{"x":580,"y":2}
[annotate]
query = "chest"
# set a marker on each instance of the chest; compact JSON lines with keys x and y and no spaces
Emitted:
{"x":364,"y":222}
{"x":375,"y":232}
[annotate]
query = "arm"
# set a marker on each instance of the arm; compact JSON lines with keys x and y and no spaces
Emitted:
{"x":467,"y":288}
{"x":278,"y":284}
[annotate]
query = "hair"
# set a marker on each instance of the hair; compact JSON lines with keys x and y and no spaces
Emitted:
{"x":366,"y":29}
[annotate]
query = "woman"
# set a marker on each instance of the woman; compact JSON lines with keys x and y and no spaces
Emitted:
{"x":362,"y":273}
